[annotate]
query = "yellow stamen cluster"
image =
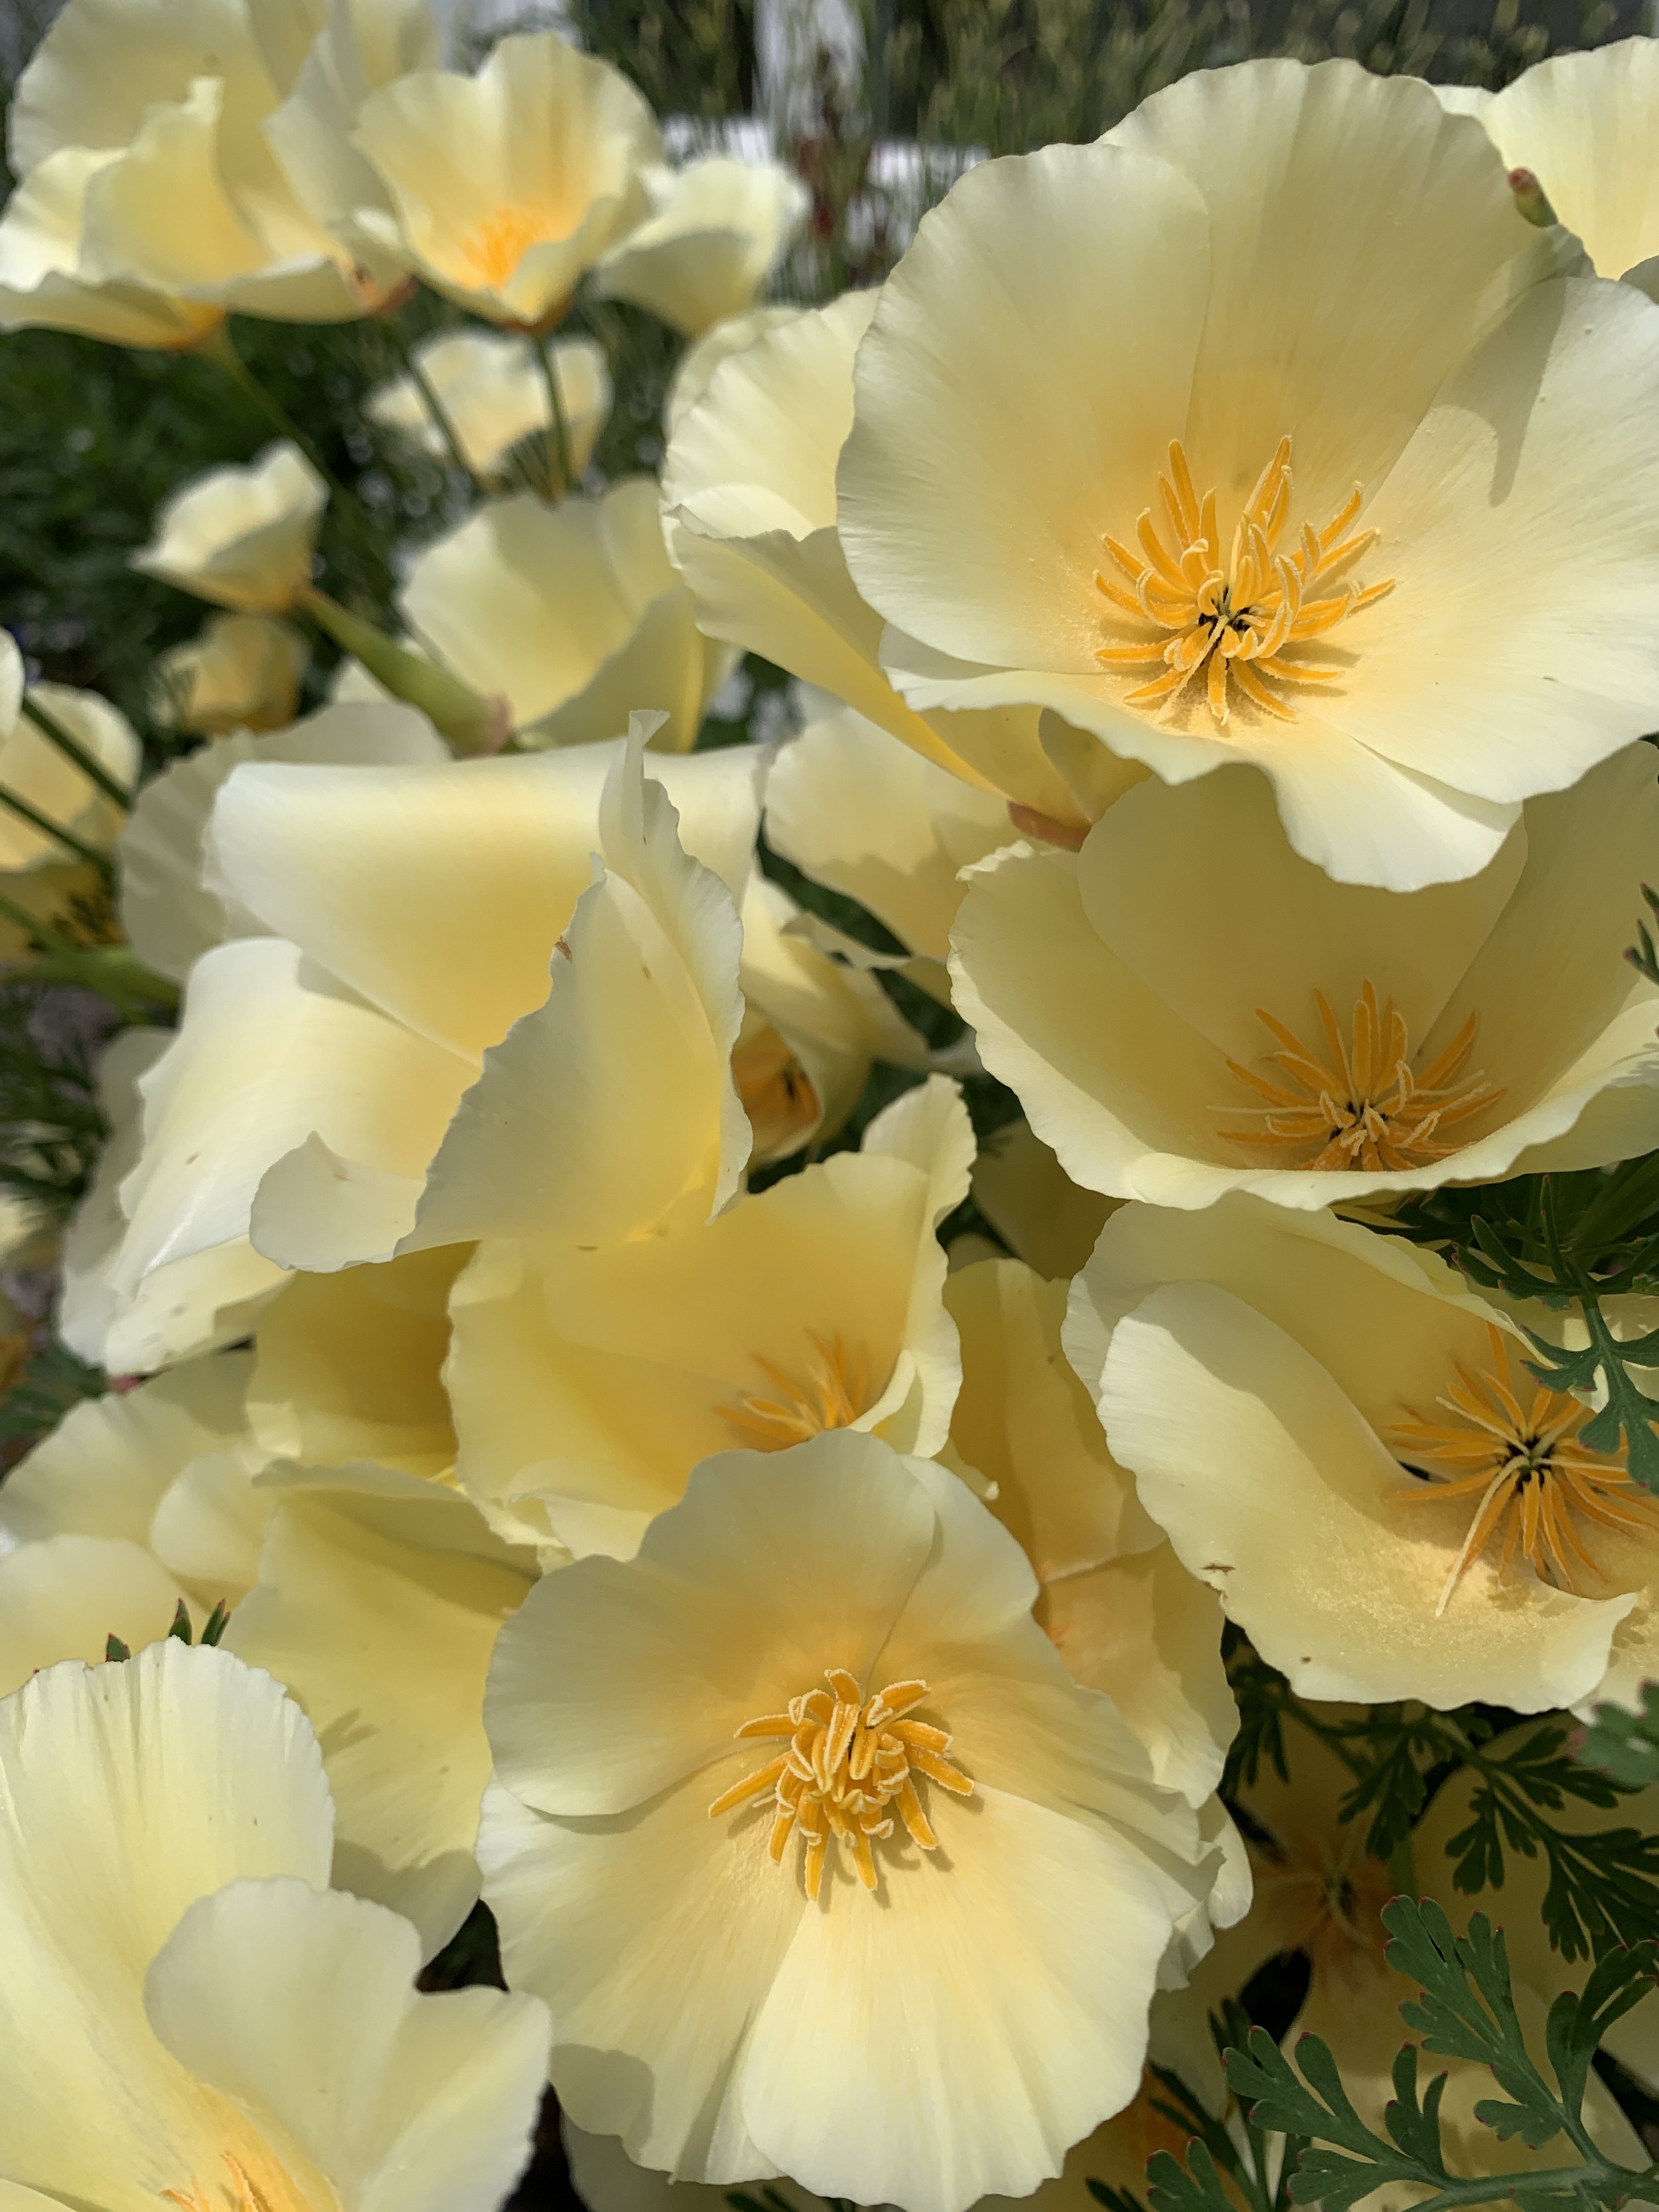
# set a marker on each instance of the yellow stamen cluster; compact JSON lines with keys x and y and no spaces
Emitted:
{"x":1233,"y":623}
{"x":1514,"y":1445}
{"x":1362,"y":1106}
{"x":493,"y":250}
{"x":274,"y":2192}
{"x":830,"y":1395}
{"x":774,"y":1090}
{"x":850,"y":1764}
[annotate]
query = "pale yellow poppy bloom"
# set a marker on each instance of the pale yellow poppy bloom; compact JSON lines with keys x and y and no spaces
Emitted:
{"x":507,"y":187}
{"x":38,"y":873}
{"x":951,"y":2034}
{"x":1187,"y":1006}
{"x":189,"y":2013}
{"x":243,"y":538}
{"x":813,"y":1027}
{"x":378,"y":1602}
{"x":750,"y":502}
{"x":242,"y":672}
{"x":440,"y":939}
{"x":150,"y":191}
{"x":573,"y":613}
{"x":1342,"y":1440}
{"x":1585,"y":125}
{"x":587,"y":1384}
{"x":492,"y":394}
{"x":1328,"y":462}
{"x":1040,"y":1213}
{"x":715,"y":231}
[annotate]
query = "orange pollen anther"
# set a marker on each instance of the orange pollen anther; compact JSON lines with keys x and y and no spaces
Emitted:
{"x":1363,"y":1107}
{"x":1514,"y":1445}
{"x":851,"y":1762}
{"x":271,"y":2191}
{"x":1233,"y":624}
{"x":493,"y":249}
{"x":831,"y":1395}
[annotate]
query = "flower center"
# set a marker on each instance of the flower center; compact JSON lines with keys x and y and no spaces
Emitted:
{"x":1233,"y":624}
{"x":495,"y":248}
{"x":1362,"y":1106}
{"x":774,"y":1090}
{"x":850,"y":1762}
{"x":830,"y":1395}
{"x":1524,"y":1463}
{"x":1329,"y":1904}
{"x":269,"y":2190}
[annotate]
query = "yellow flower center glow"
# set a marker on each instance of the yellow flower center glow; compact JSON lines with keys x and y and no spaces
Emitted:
{"x":774,"y":1090}
{"x":1513,"y":1445}
{"x":830,"y":1395}
{"x":1327,"y":1900}
{"x":269,"y":2190}
{"x":492,"y":251}
{"x":1233,"y":624}
{"x":851,"y":1762}
{"x":1362,"y":1106}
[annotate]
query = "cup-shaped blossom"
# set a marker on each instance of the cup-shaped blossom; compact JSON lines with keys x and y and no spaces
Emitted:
{"x":189,"y":2013}
{"x":507,"y":187}
{"x":1584,"y":125}
{"x":587,"y":1384}
{"x":1124,"y":1614}
{"x":1345,"y":1443}
{"x":243,"y":538}
{"x":492,"y":394}
{"x":38,"y":873}
{"x":453,"y":1029}
{"x":750,"y":506}
{"x":242,"y":672}
{"x":150,"y":192}
{"x":716,"y":230}
{"x":573,"y":613}
{"x":923,"y":1962}
{"x":1185,"y":1006}
{"x":1295,"y":484}
{"x":813,"y":1025}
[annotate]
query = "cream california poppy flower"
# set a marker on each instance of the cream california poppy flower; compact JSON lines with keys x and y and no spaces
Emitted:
{"x":492,"y":394}
{"x":573,"y":612}
{"x":1124,"y":1614}
{"x":587,"y":1384}
{"x":378,"y":1602}
{"x":1399,"y":1510}
{"x":38,"y":873}
{"x":465,"y":959}
{"x":639,"y":1715}
{"x":243,"y":538}
{"x":507,"y":187}
{"x":813,"y":1025}
{"x":717,"y":229}
{"x":1583,"y":124}
{"x":750,"y":506}
{"x":174,"y":1970}
{"x":1185,"y":1006}
{"x":1040,"y":1213}
{"x":150,"y":191}
{"x":1296,"y":485}
{"x":242,"y":672}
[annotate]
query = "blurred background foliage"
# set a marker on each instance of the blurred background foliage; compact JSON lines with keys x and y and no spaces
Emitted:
{"x":91,"y":439}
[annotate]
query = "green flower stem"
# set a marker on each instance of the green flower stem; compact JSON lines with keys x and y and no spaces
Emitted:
{"x":112,"y":970}
{"x":435,"y":406}
{"x":48,"y":828}
{"x":472,"y":724}
{"x":218,"y":348}
{"x":561,"y":428}
{"x":50,"y":728}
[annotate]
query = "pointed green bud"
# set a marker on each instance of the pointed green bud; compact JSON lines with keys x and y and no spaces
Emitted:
{"x":471,"y":724}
